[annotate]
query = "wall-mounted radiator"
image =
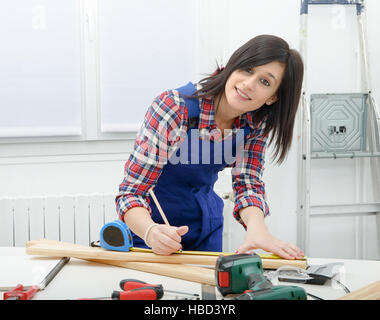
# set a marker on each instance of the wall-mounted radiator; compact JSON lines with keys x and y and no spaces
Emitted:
{"x":73,"y":218}
{"x":69,"y":218}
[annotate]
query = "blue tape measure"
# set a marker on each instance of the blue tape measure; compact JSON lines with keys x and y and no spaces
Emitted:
{"x":116,"y":235}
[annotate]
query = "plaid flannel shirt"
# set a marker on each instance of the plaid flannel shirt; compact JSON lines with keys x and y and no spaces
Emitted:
{"x":164,"y":128}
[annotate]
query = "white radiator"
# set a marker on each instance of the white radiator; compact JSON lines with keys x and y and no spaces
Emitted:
{"x":69,"y":218}
{"x":76,"y":219}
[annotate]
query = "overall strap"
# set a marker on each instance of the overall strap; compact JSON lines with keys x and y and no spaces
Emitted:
{"x":191,"y":103}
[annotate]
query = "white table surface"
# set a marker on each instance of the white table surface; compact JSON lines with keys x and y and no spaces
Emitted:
{"x":83,"y":279}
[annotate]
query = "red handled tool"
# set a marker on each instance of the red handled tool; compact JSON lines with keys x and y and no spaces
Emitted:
{"x":18,"y":293}
{"x":142,"y":293}
{"x":131,"y":284}
{"x":139,"y":290}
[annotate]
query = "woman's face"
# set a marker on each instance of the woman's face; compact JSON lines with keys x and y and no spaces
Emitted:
{"x":248,"y":90}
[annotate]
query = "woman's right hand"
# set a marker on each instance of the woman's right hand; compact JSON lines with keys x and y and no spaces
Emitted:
{"x":166,"y":239}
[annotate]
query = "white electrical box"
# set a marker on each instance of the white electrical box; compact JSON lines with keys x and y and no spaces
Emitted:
{"x":338,"y":122}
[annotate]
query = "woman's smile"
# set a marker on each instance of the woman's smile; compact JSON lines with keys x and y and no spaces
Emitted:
{"x":242,"y":95}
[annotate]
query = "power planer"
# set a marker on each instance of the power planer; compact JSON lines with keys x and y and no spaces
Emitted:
{"x":243,"y":273}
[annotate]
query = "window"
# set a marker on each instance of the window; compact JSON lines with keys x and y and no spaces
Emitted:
{"x":89,"y":70}
{"x":146,"y":47}
{"x":40,"y":68}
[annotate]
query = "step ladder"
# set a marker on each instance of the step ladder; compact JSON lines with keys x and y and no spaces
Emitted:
{"x":333,"y":126}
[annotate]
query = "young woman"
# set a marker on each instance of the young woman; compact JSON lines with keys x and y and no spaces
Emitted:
{"x":254,"y":96}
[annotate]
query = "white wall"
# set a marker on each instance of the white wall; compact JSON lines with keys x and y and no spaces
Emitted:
{"x":53,"y":168}
{"x":334,"y":66}
{"x":336,"y":182}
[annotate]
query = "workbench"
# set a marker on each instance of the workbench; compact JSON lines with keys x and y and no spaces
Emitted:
{"x":84,"y":279}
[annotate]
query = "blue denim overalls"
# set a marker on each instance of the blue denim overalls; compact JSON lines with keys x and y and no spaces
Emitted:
{"x":185,"y":190}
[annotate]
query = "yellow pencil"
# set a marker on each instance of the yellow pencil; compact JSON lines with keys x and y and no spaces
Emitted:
{"x":158,"y":206}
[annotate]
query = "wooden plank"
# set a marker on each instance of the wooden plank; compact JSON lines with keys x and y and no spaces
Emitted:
{"x":277,"y":263}
{"x":179,"y":271}
{"x":41,"y":247}
{"x":100,"y":253}
{"x":213,"y":253}
{"x":370,"y":292}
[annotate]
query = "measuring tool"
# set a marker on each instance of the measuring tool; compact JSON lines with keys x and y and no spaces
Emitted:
{"x":117,"y":236}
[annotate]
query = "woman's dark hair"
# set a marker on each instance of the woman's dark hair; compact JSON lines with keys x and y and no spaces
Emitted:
{"x":280,"y":116}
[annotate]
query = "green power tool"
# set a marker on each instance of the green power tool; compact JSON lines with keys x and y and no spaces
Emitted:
{"x":243,"y":273}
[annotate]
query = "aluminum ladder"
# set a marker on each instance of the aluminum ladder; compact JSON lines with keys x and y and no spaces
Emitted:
{"x":318,"y":138}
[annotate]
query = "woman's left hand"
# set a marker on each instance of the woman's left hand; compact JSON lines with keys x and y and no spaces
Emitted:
{"x":262,"y":239}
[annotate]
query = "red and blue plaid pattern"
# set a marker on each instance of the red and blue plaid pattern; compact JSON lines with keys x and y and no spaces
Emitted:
{"x":164,"y":128}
